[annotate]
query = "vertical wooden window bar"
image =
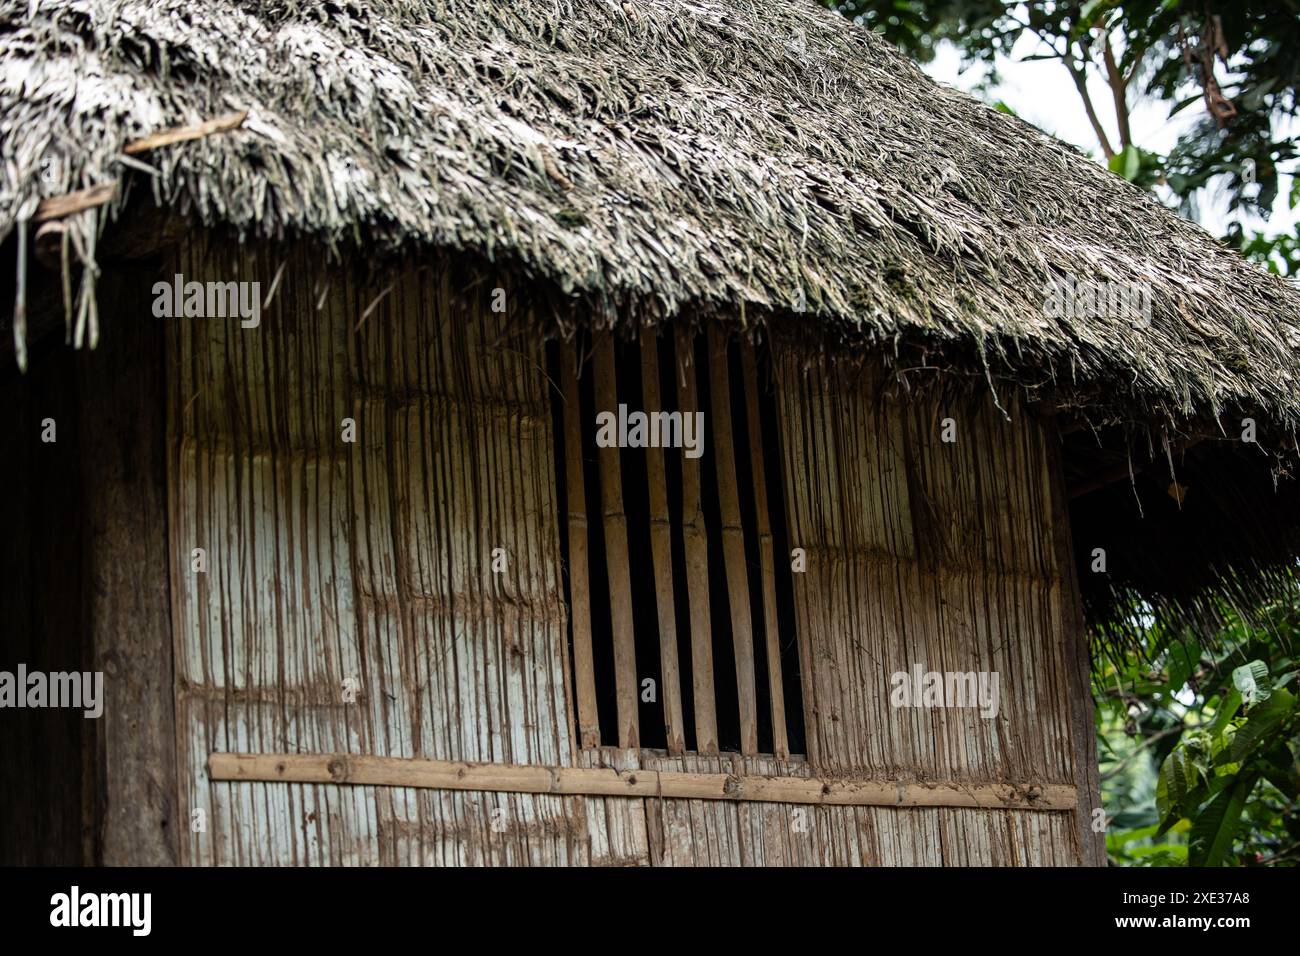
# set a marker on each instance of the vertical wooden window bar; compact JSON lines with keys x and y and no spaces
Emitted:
{"x":672,"y":559}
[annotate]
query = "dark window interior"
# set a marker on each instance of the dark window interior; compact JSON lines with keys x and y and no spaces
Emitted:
{"x":629,"y":365}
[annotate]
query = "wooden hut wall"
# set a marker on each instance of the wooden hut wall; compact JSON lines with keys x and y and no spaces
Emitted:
{"x":349,"y":602}
{"x":951,"y":556}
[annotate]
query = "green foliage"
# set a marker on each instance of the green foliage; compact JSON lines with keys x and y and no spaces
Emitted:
{"x":1138,"y":166}
{"x":1199,"y":751}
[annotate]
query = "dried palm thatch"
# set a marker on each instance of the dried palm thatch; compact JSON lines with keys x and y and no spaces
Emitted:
{"x":756,"y":158}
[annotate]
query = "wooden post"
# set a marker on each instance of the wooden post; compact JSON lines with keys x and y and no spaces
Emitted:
{"x":661,"y":548}
{"x":127,"y":554}
{"x":697,"y":566}
{"x":795,"y":401}
{"x":620,"y":575}
{"x":1074,"y":642}
{"x":775,"y":682}
{"x":733,"y":541}
{"x":584,"y":677}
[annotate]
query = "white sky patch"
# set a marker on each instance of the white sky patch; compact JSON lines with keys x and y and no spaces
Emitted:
{"x":1042,"y":92}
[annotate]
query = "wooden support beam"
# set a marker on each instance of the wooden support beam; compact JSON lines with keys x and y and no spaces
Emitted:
{"x":661,"y":545}
{"x":620,"y":575}
{"x":1072,"y":635}
{"x":605,"y":781}
{"x":1109,"y":476}
{"x":797,"y":403}
{"x":181,"y":134}
{"x":767,"y":559}
{"x":584,"y":678}
{"x":697,"y":565}
{"x":129,"y":560}
{"x":733,"y":540}
{"x":56,"y":207}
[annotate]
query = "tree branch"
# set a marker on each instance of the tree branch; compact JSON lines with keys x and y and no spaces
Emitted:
{"x":1119,"y":92}
{"x":1081,"y":84}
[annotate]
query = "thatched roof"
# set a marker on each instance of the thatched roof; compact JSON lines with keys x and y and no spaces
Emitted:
{"x":748,"y":155}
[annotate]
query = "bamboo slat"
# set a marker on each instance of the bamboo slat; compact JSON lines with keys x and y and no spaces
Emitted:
{"x":775,"y":680}
{"x":794,"y":421}
{"x":697,"y":567}
{"x":56,"y":207}
{"x":733,"y":540}
{"x":584,"y":677}
{"x":620,"y":576}
{"x":365,"y":770}
{"x":183,"y":134}
{"x":661,"y":549}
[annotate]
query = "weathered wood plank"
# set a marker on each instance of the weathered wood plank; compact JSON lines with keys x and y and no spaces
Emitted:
{"x":123,"y":445}
{"x":697,"y":565}
{"x":733,"y":540}
{"x":661,"y":554}
{"x":772,"y":638}
{"x":579,"y":586}
{"x":1078,"y":661}
{"x":608,"y":782}
{"x":620,"y":575}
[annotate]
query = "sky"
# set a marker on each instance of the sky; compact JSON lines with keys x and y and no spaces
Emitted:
{"x":1042,"y":92}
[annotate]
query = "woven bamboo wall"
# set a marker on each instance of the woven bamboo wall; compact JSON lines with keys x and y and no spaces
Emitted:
{"x":942,"y":554}
{"x":369,"y":561}
{"x":372,"y":561}
{"x":919,"y":551}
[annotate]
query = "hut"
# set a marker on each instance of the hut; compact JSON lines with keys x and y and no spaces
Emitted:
{"x":578,"y":432}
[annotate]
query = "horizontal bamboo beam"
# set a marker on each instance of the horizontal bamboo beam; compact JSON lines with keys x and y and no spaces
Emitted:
{"x":56,"y":207}
{"x":183,"y":134}
{"x":607,"y":782}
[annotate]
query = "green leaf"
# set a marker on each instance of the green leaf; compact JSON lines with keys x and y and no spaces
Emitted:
{"x":1215,"y":826}
{"x":1264,"y":720}
{"x":1182,"y":660}
{"x":1177,"y":778}
{"x":1227,"y":710}
{"x":1127,"y":163}
{"x":1281,"y":770}
{"x":1252,"y":681}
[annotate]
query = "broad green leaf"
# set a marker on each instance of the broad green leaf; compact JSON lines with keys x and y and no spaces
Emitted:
{"x":1264,"y":720}
{"x":1281,"y":770}
{"x":1251,"y":680}
{"x":1227,"y":710}
{"x":1177,"y":779}
{"x":1215,"y":826}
